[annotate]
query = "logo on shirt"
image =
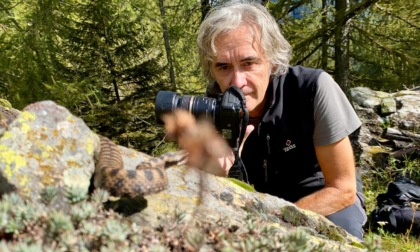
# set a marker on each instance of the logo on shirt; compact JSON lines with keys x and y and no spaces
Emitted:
{"x":289,"y":146}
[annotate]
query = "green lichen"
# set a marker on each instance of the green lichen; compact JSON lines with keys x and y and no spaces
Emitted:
{"x":11,"y":160}
{"x":26,"y":116}
{"x":90,"y":143}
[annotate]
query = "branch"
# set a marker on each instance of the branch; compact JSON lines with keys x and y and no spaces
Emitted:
{"x":328,"y":30}
{"x":10,"y":16}
{"x":398,"y":17}
{"x":309,"y":54}
{"x":298,"y":4}
{"x":385,"y":48}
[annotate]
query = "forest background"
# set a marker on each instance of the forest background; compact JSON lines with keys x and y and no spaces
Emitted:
{"x":105,"y":60}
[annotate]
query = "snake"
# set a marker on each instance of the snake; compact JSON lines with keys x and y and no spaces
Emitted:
{"x":147,"y":178}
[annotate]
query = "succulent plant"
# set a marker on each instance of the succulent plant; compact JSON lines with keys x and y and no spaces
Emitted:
{"x":58,"y":224}
{"x":76,"y":194}
{"x":49,"y":194}
{"x":88,"y":226}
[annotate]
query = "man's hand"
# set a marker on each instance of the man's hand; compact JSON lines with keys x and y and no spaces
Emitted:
{"x":227,"y":161}
{"x":205,"y":146}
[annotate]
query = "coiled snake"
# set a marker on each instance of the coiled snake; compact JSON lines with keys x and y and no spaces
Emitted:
{"x":148,"y":177}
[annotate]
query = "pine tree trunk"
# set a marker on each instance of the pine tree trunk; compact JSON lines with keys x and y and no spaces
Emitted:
{"x":205,"y":8}
{"x":324,"y":55}
{"x":341,"y":45}
{"x":167,"y":45}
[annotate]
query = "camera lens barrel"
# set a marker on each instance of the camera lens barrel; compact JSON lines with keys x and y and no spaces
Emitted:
{"x":167,"y":101}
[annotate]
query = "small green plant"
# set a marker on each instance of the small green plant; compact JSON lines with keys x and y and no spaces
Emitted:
{"x":82,"y":212}
{"x":386,"y":123}
{"x":76,"y":194}
{"x":49,"y":194}
{"x":196,"y":239}
{"x":373,"y":243}
{"x":115,"y":231}
{"x":100,"y":196}
{"x":58,"y":224}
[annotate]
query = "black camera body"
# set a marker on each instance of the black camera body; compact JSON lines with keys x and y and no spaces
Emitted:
{"x":227,"y":111}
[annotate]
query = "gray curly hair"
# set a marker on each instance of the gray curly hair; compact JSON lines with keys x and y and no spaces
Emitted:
{"x":233,"y":14}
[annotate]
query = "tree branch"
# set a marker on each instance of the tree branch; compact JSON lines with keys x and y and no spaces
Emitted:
{"x":328,"y":30}
{"x":386,"y":48}
{"x":10,"y":16}
{"x":309,"y":54}
{"x":397,"y":17}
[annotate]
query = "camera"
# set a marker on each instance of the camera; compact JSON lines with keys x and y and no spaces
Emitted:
{"x":227,"y":111}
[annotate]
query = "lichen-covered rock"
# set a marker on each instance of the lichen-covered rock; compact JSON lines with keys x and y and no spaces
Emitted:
{"x":388,"y":106}
{"x":390,"y":123}
{"x":7,"y":115}
{"x":407,"y":117}
{"x":46,"y":146}
{"x":367,"y":98}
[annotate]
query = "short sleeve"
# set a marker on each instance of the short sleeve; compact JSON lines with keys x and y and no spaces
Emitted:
{"x":334,"y":116}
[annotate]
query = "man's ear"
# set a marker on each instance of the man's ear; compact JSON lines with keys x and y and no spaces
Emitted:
{"x":273,"y":69}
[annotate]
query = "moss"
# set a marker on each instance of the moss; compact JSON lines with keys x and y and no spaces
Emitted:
{"x":242,"y":184}
{"x":332,"y":232}
{"x":358,"y":245}
{"x":292,"y":215}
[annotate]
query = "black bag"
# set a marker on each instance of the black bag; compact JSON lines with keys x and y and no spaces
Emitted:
{"x":394,"y":207}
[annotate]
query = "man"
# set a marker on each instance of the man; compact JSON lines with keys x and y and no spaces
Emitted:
{"x":297,"y":144}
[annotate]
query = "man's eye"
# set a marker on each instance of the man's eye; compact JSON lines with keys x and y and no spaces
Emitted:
{"x":248,"y":63}
{"x":223,"y":68}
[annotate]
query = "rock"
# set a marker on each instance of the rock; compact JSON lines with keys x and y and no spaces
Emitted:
{"x":46,"y":146}
{"x":367,"y":98}
{"x":389,"y":124}
{"x":408,"y":116}
{"x":388,"y":106}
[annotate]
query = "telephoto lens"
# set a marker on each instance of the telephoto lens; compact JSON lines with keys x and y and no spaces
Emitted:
{"x":167,"y":101}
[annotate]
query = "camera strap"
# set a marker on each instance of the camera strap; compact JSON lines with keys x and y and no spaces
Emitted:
{"x":238,"y":170}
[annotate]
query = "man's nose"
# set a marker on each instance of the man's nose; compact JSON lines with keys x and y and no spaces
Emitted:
{"x":238,"y":79}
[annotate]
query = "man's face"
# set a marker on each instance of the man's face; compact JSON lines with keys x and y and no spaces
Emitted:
{"x":241,"y":62}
